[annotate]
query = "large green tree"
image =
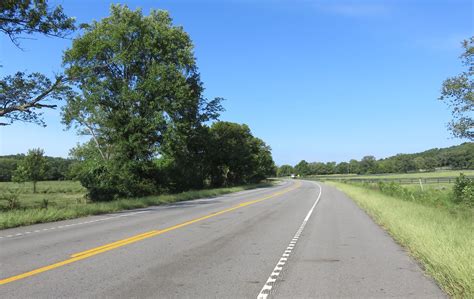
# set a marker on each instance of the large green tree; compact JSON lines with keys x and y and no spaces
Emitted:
{"x":458,"y":92}
{"x":23,"y":95}
{"x":139,"y":88}
{"x":236,"y":157}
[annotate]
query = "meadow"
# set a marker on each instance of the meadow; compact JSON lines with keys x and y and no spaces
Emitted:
{"x":60,"y":200}
{"x":55,"y":193}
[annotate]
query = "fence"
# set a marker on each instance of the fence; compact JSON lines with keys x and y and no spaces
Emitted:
{"x":440,"y":180}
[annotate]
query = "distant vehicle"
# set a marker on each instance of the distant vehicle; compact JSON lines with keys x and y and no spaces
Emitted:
{"x":293,"y":175}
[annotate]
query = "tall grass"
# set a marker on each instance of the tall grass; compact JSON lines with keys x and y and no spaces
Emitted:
{"x":442,"y":240}
{"x":57,"y":193}
{"x":28,"y":216}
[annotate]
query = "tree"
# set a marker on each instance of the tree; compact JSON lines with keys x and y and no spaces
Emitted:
{"x":420,"y":163}
{"x":263,"y":161}
{"x":19,"y":17}
{"x":21,"y":94}
{"x":354,"y":166}
{"x":285,"y":170}
{"x":139,"y":89}
{"x":32,"y":168}
{"x":342,"y":168}
{"x":458,"y":92}
{"x":302,"y":168}
{"x":236,"y":156}
{"x":368,"y":164}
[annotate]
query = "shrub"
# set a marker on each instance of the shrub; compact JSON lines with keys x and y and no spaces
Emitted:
{"x":463,"y":190}
{"x":11,"y":197}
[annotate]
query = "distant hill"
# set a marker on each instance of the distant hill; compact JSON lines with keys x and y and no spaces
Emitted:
{"x":454,"y":157}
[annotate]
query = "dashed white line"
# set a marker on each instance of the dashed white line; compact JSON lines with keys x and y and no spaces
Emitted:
{"x":267,"y":287}
{"x":69,"y":225}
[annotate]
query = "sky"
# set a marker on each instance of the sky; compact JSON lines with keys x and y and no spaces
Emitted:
{"x":316,"y":80}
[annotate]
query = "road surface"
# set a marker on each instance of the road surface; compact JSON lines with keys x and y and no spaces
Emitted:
{"x":295,"y":240}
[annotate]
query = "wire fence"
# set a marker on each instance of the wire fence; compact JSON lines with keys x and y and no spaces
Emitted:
{"x":404,"y":181}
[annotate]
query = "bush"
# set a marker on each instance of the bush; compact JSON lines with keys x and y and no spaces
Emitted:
{"x":11,"y":196}
{"x":463,"y":190}
{"x":108,"y":180}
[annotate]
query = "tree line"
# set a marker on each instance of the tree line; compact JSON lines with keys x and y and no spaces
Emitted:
{"x":131,"y":83}
{"x":57,"y":169}
{"x":455,"y":157}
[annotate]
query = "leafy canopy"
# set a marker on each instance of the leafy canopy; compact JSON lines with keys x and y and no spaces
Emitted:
{"x":32,"y":168}
{"x":18,"y":17}
{"x":139,"y":86}
{"x":21,"y":94}
{"x":458,"y":92}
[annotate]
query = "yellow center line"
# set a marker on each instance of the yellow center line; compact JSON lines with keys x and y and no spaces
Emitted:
{"x":110,"y":246}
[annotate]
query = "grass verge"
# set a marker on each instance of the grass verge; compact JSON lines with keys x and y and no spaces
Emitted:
{"x":440,"y":238}
{"x":21,"y":217}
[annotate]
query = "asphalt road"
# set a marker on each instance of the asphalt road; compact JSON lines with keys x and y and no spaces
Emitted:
{"x":295,"y":240}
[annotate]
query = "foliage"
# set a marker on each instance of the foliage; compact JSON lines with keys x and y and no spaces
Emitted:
{"x":141,"y":97}
{"x":463,"y":190}
{"x":19,"y":17}
{"x":302,"y":168}
{"x":455,"y":157}
{"x":368,"y":164}
{"x":11,"y":197}
{"x":285,"y":170}
{"x":32,"y":168}
{"x":58,"y":168}
{"x":8,"y":164}
{"x":21,"y":94}
{"x":236,"y":156}
{"x":458,"y":92}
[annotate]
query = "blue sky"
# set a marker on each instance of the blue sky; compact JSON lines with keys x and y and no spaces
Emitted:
{"x":317,"y":80}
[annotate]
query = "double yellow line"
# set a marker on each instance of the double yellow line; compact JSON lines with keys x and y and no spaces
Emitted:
{"x":110,"y":246}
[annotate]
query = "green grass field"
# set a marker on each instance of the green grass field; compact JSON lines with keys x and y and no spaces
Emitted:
{"x":58,"y":193}
{"x":438,"y":236}
{"x":66,"y":200}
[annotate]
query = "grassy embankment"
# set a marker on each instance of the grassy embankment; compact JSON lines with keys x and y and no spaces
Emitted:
{"x":437,"y":232}
{"x":65,"y":200}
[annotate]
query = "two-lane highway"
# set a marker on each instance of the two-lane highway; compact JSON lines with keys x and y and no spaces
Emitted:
{"x":296,"y":240}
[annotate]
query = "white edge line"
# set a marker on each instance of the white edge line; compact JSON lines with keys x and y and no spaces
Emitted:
{"x":101,"y":219}
{"x":267,"y":287}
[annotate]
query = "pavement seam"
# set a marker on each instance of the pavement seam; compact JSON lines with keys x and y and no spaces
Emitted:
{"x":272,"y":279}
